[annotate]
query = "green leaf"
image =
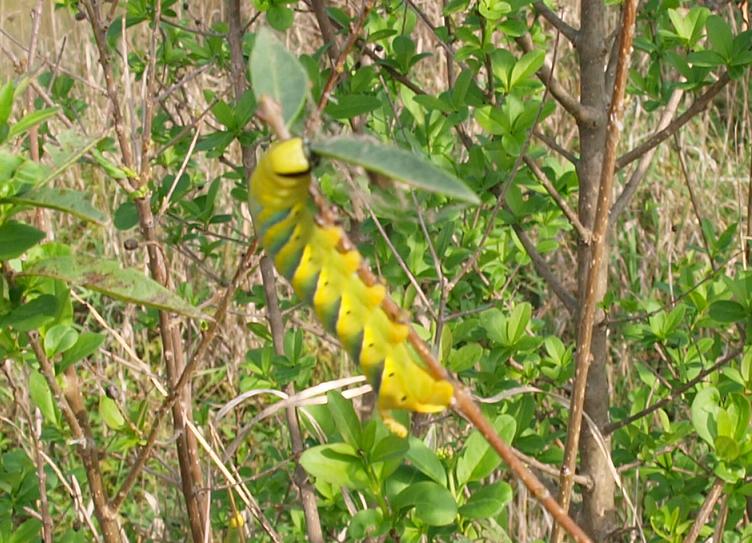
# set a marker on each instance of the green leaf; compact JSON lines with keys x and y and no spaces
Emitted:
{"x":109,"y":278}
{"x":396,"y":163}
{"x":126,"y":216}
{"x":478,"y":459}
{"x":32,"y":119}
{"x":433,"y":503}
{"x":426,"y":461}
{"x":367,"y":523}
{"x":488,"y":501}
{"x":465,"y":357}
{"x":59,"y":338}
{"x":526,"y":66}
{"x":389,"y":448}
{"x":337,"y":464}
{"x":41,"y":395}
{"x":705,"y":408}
{"x":720,"y":36}
{"x":69,"y":201}
{"x":32,"y":314}
{"x":86,"y":345}
{"x":110,"y":413}
{"x":727,"y":311}
{"x":16,"y":238}
{"x":344,"y":417}
{"x":276,"y":73}
{"x":6,"y":101}
{"x":28,"y":531}
{"x":518,"y":321}
{"x":352,"y":105}
{"x":280,"y":17}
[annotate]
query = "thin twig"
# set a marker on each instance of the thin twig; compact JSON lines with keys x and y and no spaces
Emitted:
{"x":327,"y":30}
{"x":551,"y":142}
{"x":557,"y":22}
{"x":569,"y":213}
{"x":600,"y":229}
{"x":673,"y":394}
{"x":705,"y":511}
{"x":697,"y":106}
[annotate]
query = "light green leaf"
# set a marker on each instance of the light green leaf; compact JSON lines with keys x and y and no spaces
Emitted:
{"x":31,"y":119}
{"x":396,"y":163}
{"x":337,"y":464}
{"x":59,"y":338}
{"x":488,"y":501}
{"x":352,"y":105}
{"x":110,"y":278}
{"x":16,"y":238}
{"x":426,"y":461}
{"x":705,"y":409}
{"x":110,"y":413}
{"x":478,"y":459}
{"x":433,"y":503}
{"x":277,"y":73}
{"x":6,"y":101}
{"x":41,"y":395}
{"x":527,"y":66}
{"x":66,"y":200}
{"x":86,"y":345}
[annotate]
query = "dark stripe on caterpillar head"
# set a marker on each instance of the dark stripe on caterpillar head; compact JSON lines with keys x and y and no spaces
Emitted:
{"x":374,"y":376}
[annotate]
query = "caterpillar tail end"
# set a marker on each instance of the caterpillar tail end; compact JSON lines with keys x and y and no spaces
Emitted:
{"x":392,"y":425}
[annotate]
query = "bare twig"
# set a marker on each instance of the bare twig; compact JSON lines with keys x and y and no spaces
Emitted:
{"x":587,"y":310}
{"x":705,"y":511}
{"x":557,"y":22}
{"x":569,"y":213}
{"x":551,"y":142}
{"x":674,"y":394}
{"x":697,"y":106}
{"x":326,"y":28}
{"x":630,"y":187}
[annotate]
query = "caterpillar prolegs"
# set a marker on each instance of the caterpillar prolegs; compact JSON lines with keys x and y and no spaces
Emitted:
{"x":323,"y":272}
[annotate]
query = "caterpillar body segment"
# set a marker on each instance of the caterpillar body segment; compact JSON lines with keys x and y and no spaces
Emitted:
{"x":322,"y":269}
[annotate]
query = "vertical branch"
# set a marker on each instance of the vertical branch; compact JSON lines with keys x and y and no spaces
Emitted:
{"x":274,"y":315}
{"x":169,"y":329}
{"x":600,"y":229}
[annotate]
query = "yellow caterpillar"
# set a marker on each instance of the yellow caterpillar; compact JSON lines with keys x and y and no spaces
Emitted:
{"x":323,"y":271}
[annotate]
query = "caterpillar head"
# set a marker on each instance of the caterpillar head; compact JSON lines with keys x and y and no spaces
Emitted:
{"x":289,"y":157}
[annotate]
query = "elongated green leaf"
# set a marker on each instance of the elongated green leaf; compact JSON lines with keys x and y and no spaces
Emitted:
{"x":110,"y":413}
{"x":87,"y":344}
{"x":16,"y":238}
{"x":344,"y":417}
{"x":352,"y":105}
{"x":478,"y":459}
{"x":66,"y":200}
{"x":32,"y":314}
{"x":71,"y":147}
{"x":276,"y":73}
{"x":6,"y":101}
{"x":109,"y":278}
{"x":395,"y":163}
{"x":32,"y":119}
{"x":41,"y":395}
{"x":433,"y":503}
{"x":425,"y":459}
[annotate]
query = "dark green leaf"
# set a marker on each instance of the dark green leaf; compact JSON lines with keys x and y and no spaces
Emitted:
{"x":352,"y":105}
{"x":367,"y":523}
{"x":344,"y":417}
{"x":727,"y":311}
{"x":426,"y":461}
{"x":110,"y":278}
{"x":433,"y":503}
{"x":488,"y":501}
{"x":87,"y":344}
{"x":276,"y":73}
{"x":59,"y":338}
{"x":16,"y":238}
{"x":395,"y":163}
{"x":126,"y":216}
{"x":280,"y":17}
{"x":66,"y":200}
{"x":32,"y":314}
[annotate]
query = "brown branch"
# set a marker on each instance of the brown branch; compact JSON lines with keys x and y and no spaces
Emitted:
{"x":551,"y":142}
{"x":673,"y":395}
{"x":299,"y":479}
{"x":541,"y":267}
{"x":339,"y":65}
{"x":600,"y":228}
{"x":630,"y":187}
{"x":697,"y":106}
{"x":581,"y":113}
{"x":73,"y":408}
{"x":326,"y":28}
{"x":557,"y":22}
{"x":704,"y":514}
{"x":463,"y":400}
{"x":574,"y":220}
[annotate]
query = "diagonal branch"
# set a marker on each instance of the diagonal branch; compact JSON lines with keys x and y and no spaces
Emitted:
{"x":697,"y":106}
{"x":557,"y":22}
{"x":574,"y":220}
